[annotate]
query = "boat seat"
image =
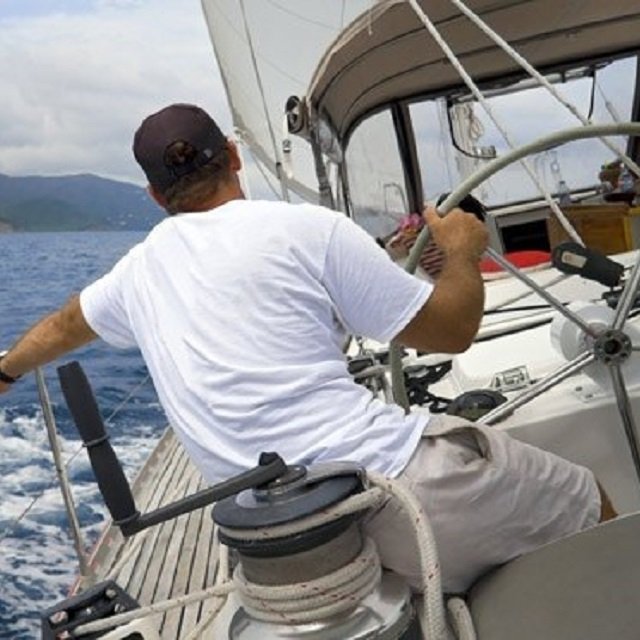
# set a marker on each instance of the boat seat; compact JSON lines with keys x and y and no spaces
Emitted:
{"x":583,"y":587}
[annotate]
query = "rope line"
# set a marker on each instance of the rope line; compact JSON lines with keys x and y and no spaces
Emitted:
{"x":303,"y":602}
{"x":262,"y":171}
{"x":128,"y":397}
{"x":434,"y":623}
{"x":216,"y":591}
{"x":303,"y":18}
{"x":473,"y":87}
{"x":460,"y":618}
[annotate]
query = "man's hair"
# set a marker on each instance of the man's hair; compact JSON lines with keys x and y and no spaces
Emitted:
{"x":191,"y":190}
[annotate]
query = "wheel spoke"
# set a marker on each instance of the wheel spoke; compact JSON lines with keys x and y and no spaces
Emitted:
{"x":501,"y":305}
{"x":626,"y":414}
{"x":545,"y":295}
{"x":628,"y":297}
{"x":565,"y":371}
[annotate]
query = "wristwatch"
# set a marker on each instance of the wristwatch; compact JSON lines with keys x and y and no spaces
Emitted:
{"x":5,"y":377}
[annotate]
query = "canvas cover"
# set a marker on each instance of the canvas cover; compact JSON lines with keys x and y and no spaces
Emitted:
{"x":388,"y":54}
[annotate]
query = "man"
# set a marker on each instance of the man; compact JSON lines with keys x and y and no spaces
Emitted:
{"x":240,"y":310}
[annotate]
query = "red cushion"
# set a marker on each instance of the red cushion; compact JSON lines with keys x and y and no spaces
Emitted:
{"x":521,"y":259}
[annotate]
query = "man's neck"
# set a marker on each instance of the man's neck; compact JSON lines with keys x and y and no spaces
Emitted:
{"x":224,"y":195}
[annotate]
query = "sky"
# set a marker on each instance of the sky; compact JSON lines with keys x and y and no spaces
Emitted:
{"x":78,"y":76}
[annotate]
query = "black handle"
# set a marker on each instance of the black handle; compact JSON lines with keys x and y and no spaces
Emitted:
{"x":106,"y":466}
{"x":574,"y":259}
{"x":111,"y":479}
{"x":469,"y":203}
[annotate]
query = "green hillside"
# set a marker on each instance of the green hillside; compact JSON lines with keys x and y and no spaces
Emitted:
{"x":74,"y":203}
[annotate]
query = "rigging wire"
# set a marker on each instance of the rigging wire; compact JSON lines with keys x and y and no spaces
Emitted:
{"x":263,"y":173}
{"x":301,"y":84}
{"x":302,"y":18}
{"x":272,"y":135}
{"x":609,"y":106}
{"x":25,"y":512}
{"x":534,"y":73}
{"x":473,"y":87}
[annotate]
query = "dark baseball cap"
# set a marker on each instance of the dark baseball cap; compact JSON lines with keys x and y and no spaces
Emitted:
{"x":175,"y":123}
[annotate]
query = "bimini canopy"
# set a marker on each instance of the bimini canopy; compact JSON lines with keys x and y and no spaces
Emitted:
{"x":387,"y":54}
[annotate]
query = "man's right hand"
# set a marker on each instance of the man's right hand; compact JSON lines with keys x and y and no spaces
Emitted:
{"x":458,"y":233}
{"x":450,"y":318}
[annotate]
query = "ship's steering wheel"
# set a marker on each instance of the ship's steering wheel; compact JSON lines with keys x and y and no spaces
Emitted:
{"x":602,"y":343}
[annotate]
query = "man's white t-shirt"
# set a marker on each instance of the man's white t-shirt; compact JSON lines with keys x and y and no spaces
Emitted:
{"x":240,"y":314}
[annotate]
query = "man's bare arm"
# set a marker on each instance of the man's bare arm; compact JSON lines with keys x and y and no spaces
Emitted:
{"x":449,"y":320}
{"x":50,"y":338}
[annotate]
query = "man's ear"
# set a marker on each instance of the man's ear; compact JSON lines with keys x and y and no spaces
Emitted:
{"x":157,"y":196}
{"x":235,"y":161}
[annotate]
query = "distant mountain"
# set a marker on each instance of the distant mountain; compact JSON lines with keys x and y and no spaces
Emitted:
{"x":74,"y":203}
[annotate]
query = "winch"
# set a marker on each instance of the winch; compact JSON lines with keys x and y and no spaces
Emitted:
{"x":303,"y":570}
{"x":303,"y":576}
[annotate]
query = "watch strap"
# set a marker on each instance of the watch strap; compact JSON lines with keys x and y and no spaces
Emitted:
{"x":5,"y":377}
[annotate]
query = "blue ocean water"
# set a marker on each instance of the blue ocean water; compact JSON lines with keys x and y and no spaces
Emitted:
{"x":37,"y":560}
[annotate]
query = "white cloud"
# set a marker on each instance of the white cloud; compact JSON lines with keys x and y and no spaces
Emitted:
{"x":76,"y":86}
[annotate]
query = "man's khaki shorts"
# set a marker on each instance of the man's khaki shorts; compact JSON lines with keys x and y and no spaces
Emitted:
{"x":489,"y":498}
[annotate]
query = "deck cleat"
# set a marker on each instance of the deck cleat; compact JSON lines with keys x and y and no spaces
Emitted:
{"x":97,"y":603}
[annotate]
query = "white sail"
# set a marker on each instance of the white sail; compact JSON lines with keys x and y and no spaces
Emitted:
{"x":262,"y":68}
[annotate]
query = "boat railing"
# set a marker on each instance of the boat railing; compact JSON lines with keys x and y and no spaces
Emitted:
{"x":61,"y":471}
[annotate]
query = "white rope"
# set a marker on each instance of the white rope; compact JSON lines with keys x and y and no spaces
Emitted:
{"x":155,"y":609}
{"x":334,"y":593}
{"x":303,"y":602}
{"x":434,"y":624}
{"x":222,"y":576}
{"x":534,"y":73}
{"x":473,"y":87}
{"x":198,"y":631}
{"x":433,"y":616}
{"x":460,"y":618}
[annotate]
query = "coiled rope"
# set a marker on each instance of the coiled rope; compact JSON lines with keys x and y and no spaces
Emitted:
{"x":303,"y":602}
